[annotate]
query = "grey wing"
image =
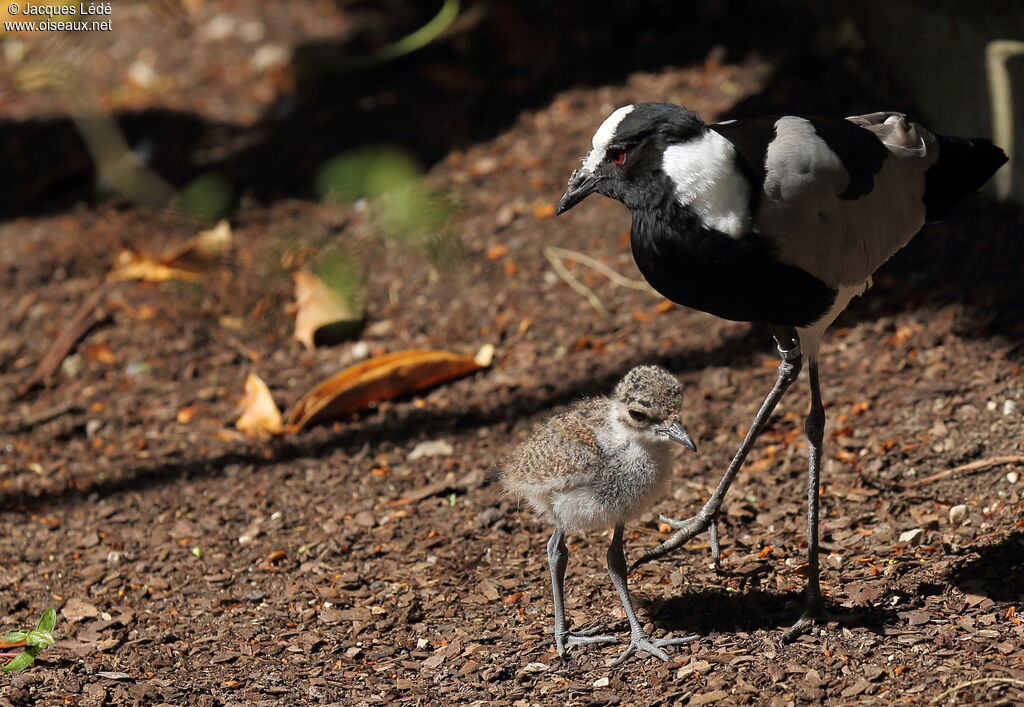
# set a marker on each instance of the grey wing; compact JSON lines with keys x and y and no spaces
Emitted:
{"x":841,"y":196}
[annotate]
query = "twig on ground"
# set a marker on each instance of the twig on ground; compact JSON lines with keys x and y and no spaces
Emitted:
{"x":979,"y":465}
{"x":573,"y":282}
{"x":595,"y":264}
{"x":88,"y":315}
{"x":38,"y":418}
{"x":970,"y":683}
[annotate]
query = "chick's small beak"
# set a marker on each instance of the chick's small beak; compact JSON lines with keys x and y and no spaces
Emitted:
{"x":582,"y":184}
{"x":676,"y":433}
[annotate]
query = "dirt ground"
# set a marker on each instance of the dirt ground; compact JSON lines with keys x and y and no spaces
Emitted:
{"x":191,"y":566}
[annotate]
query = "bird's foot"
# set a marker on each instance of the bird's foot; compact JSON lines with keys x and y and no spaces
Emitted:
{"x":584,"y":637}
{"x":685,"y":530}
{"x":814,"y":614}
{"x":640,"y":641}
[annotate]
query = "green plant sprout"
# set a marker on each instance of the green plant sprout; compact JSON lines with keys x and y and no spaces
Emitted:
{"x":406,"y":210}
{"x":34,"y":643}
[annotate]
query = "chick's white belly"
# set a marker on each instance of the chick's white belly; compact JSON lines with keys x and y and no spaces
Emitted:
{"x":591,"y":508}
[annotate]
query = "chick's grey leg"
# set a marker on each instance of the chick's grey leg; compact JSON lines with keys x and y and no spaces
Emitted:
{"x":705,"y":519}
{"x":558,"y":558}
{"x":638,"y":638}
{"x":814,"y":426}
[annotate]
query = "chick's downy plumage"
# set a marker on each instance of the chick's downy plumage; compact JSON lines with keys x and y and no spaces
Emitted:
{"x":600,"y":463}
{"x":606,"y":459}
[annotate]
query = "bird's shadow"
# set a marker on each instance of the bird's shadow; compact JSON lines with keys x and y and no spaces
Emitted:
{"x":722,"y":611}
{"x":997,"y":572}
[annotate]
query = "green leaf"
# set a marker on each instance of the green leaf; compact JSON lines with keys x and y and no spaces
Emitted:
{"x":21,"y":661}
{"x":47,"y":621}
{"x":40,"y":639}
{"x":15,"y":636}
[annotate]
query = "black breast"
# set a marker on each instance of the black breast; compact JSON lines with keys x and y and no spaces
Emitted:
{"x":733,"y":278}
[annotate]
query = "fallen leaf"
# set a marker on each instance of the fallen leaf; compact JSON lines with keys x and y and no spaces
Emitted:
{"x":202,"y":252}
{"x":78,"y":609}
{"x":260,"y":417}
{"x":497,"y":251}
{"x":321,"y":312}
{"x":187,"y":262}
{"x":139,"y":266}
{"x":544,"y":211}
{"x":379,"y":378}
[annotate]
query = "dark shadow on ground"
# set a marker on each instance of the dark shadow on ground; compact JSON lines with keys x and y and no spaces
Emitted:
{"x":463,"y":88}
{"x":718,"y":611}
{"x":399,"y":428}
{"x":997,"y":572}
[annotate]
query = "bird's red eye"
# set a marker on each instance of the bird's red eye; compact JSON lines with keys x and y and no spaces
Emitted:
{"x":618,"y":156}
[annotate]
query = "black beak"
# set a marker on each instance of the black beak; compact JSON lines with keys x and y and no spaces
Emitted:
{"x":676,"y":433}
{"x":581,"y":185}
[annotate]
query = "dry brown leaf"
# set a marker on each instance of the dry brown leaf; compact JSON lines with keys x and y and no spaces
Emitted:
{"x":318,"y":308}
{"x":139,"y":266}
{"x":379,"y":378}
{"x":202,"y":252}
{"x":260,"y":417}
{"x":185,"y":263}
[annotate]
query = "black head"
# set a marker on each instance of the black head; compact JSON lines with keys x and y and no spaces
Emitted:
{"x":625,"y":162}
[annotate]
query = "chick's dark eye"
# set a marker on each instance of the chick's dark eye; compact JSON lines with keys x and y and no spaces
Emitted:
{"x":617,"y":155}
{"x":637,"y":415}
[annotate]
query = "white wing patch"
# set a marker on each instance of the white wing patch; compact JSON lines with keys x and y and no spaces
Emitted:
{"x":707,"y":180}
{"x":604,"y":135}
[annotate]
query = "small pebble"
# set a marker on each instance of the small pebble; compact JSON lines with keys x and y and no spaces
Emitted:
{"x":1012,"y":476}
{"x":92,"y":427}
{"x":958,"y":514}
{"x":432,"y":448}
{"x":535,"y":667}
{"x":488,"y":517}
{"x":912,"y":536}
{"x":1009,"y":407}
{"x":602,"y":682}
{"x":359,"y":350}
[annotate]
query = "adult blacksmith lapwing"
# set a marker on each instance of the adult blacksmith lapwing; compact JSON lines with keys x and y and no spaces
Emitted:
{"x":780,"y":220}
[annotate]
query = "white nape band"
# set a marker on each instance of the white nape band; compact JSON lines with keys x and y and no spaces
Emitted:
{"x":707,"y":180}
{"x":603,"y":136}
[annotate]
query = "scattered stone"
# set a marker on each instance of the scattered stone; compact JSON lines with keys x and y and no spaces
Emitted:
{"x":92,"y":427}
{"x":1012,"y":476}
{"x":958,"y":514}
{"x":432,"y":448}
{"x":359,"y":351}
{"x":1009,"y":407}
{"x":912,"y":536}
{"x":602,"y":682}
{"x":536,"y":667}
{"x":488,"y":517}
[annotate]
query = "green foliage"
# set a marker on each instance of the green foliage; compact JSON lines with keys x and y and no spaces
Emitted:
{"x":405,"y":208}
{"x":343,"y":275}
{"x":208,"y":196}
{"x":35,"y":641}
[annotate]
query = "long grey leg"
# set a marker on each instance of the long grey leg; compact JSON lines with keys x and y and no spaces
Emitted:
{"x":789,"y":368}
{"x":814,"y":426}
{"x":558,"y":558}
{"x":638,"y":638}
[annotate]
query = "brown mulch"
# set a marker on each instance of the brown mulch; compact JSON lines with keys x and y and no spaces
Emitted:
{"x":191,"y":566}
